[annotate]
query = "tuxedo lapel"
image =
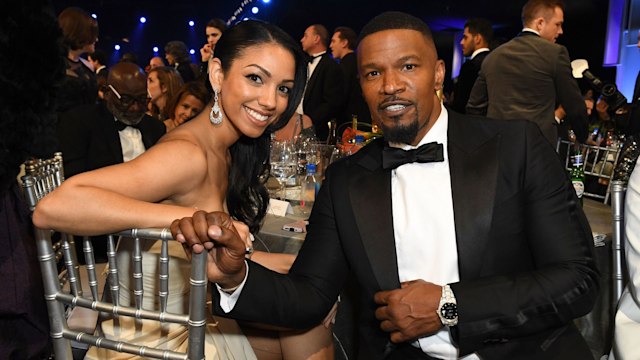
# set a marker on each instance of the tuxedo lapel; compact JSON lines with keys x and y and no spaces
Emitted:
{"x":370,"y":197}
{"x":314,"y":76}
{"x":473,"y":164}
{"x":111,"y":134}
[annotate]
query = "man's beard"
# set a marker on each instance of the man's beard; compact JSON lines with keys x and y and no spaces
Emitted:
{"x":404,"y":134}
{"x":125,"y":117}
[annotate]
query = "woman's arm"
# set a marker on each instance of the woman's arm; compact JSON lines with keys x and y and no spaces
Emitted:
{"x":125,"y":195}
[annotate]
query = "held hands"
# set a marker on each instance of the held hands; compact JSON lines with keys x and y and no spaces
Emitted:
{"x":409,"y":313}
{"x":221,"y":237}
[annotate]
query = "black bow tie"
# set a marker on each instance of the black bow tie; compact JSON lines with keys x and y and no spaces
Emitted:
{"x":311,"y":58}
{"x":121,"y":126}
{"x":394,"y":157}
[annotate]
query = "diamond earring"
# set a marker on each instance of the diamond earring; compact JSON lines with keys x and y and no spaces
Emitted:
{"x":215,"y":119}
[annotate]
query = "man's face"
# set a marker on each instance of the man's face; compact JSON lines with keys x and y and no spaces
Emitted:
{"x":467,"y":43}
{"x":155,"y":62}
{"x":337,"y":46}
{"x":551,"y":28}
{"x":213,"y":35}
{"x":399,"y":75}
{"x":95,"y":63}
{"x":308,"y":39}
{"x":127,"y":101}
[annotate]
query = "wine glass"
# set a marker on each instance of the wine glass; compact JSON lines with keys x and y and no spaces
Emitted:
{"x":284,"y":163}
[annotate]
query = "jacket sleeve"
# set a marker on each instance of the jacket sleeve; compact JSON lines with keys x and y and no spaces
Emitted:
{"x":569,"y":96}
{"x":479,"y":97}
{"x":562,"y":282}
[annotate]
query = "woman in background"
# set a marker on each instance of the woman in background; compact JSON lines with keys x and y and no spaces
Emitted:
{"x":188,"y":102}
{"x":162,"y":84}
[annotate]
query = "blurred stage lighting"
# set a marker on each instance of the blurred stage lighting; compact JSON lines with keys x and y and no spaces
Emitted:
{"x":117,"y":47}
{"x":192,"y":51}
{"x":266,"y":1}
{"x":254,"y":10}
{"x":191,"y":23}
{"x":155,"y":49}
{"x":143,"y":19}
{"x":94,"y":16}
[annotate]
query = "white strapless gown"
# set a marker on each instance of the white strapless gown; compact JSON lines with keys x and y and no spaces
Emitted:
{"x":224,"y":339}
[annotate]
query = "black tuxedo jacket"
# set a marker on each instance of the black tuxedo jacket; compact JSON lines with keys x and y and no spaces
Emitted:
{"x":355,"y":104}
{"x":467,"y":77}
{"x":89,"y":138}
{"x":324,"y":95}
{"x":525,"y":248}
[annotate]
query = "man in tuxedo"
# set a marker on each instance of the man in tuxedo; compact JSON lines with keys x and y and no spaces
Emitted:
{"x":112,"y":132}
{"x":476,"y":37}
{"x":324,"y":94}
{"x":343,"y":44}
{"x":472,"y":245}
{"x":527,"y":77}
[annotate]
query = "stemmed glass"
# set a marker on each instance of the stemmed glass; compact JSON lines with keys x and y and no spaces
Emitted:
{"x":284,"y":163}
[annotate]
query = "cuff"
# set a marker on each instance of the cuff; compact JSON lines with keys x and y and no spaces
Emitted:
{"x":228,"y":301}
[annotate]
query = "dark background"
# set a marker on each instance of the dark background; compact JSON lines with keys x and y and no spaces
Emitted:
{"x":584,"y":30}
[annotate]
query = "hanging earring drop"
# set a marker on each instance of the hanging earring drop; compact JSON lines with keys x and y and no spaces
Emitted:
{"x":215,"y":109}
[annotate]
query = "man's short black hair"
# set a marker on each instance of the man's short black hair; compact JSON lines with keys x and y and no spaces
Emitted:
{"x":392,"y":20}
{"x":480,"y":26}
{"x":99,"y":56}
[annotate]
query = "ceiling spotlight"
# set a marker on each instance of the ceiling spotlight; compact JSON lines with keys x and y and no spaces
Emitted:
{"x":143,"y":19}
{"x":245,"y":19}
{"x":155,"y":49}
{"x":266,"y":1}
{"x":94,"y":16}
{"x":191,"y":23}
{"x":192,"y":51}
{"x":117,"y":47}
{"x":255,"y":10}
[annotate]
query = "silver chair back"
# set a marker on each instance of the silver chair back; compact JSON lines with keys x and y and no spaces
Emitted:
{"x":598,"y":162}
{"x":42,"y":177}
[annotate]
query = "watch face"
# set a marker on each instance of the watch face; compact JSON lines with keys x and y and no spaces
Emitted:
{"x":449,"y":311}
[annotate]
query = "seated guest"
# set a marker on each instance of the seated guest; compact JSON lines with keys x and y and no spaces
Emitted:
{"x":217,"y":162}
{"x":186,"y":103}
{"x":162,"y":84}
{"x":177,"y":56}
{"x":444,"y":271}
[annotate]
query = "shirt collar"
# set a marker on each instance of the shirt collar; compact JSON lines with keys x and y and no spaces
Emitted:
{"x":526,"y":29}
{"x":478,"y":51}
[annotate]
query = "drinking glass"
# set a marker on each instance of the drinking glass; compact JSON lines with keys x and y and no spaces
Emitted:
{"x":284,"y":163}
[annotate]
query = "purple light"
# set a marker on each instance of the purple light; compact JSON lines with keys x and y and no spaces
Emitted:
{"x":143,"y":19}
{"x":266,"y":1}
{"x":255,"y":9}
{"x":613,"y":38}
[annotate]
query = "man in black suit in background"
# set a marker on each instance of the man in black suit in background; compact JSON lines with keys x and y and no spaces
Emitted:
{"x":475,"y":41}
{"x":472,"y":245}
{"x":324,"y":94}
{"x":528,"y":76}
{"x":343,"y":44}
{"x":110,"y":132}
{"x":95,"y":136}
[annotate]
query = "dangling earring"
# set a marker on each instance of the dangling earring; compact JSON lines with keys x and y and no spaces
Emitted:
{"x":215,"y":119}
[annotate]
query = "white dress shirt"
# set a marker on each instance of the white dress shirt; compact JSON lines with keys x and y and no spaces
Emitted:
{"x":478,"y":51}
{"x":424,"y":228}
{"x":131,"y":143}
{"x":311,"y":66}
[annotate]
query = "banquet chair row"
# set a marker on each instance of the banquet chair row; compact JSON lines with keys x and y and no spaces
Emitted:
{"x":74,"y":311}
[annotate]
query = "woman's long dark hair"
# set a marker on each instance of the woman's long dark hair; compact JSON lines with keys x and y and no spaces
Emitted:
{"x":247,"y":197}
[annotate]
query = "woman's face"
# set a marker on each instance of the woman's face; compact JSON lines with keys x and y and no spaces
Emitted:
{"x":188,"y":107}
{"x":154,"y":88}
{"x":255,"y":89}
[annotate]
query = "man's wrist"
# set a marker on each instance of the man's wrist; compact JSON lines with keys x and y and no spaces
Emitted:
{"x":237,"y":280}
{"x":448,"y":307}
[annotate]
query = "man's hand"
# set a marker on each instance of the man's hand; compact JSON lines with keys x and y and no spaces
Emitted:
{"x":214,"y":232}
{"x":409,"y":313}
{"x":205,"y":52}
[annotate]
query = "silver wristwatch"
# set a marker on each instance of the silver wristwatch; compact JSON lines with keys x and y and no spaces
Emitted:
{"x":448,"y":307}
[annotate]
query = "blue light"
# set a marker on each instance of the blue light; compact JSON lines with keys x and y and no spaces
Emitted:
{"x":117,"y":47}
{"x":143,"y":19}
{"x":245,"y":19}
{"x":254,"y":10}
{"x":266,"y":1}
{"x":155,"y":49}
{"x":191,"y":23}
{"x":192,"y":51}
{"x":94,"y":16}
